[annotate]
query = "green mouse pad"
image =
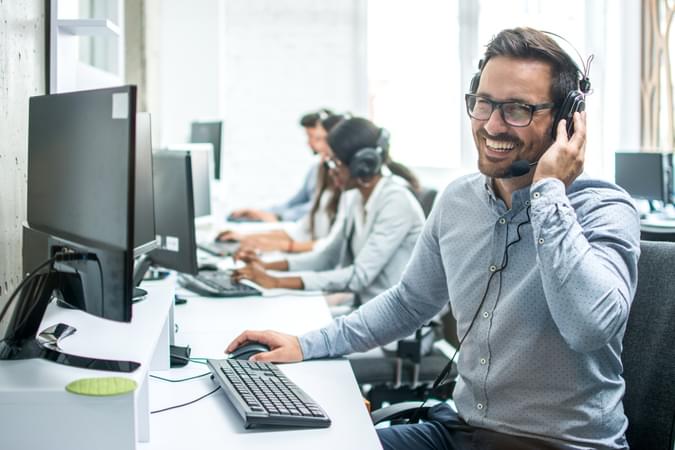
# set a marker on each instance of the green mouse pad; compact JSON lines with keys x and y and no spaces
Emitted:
{"x":102,"y":387}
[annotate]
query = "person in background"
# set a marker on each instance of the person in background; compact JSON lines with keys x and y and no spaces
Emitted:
{"x":314,"y":226}
{"x":299,"y":204}
{"x":379,"y":230}
{"x":539,"y":267}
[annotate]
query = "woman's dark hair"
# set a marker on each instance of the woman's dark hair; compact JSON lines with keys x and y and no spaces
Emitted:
{"x":528,"y":43}
{"x":356,"y":133}
{"x":312,"y":119}
{"x":331,"y":121}
{"x":326,"y":182}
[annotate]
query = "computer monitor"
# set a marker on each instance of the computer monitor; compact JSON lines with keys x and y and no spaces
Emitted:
{"x":211,"y":132}
{"x":81,"y":185}
{"x":174,"y":212}
{"x":144,"y":216}
{"x":644,"y":175}
{"x":201,"y":182}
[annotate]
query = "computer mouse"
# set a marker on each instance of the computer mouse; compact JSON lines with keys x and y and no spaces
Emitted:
{"x":208,"y":266}
{"x":227,"y":241}
{"x":249,"y":349}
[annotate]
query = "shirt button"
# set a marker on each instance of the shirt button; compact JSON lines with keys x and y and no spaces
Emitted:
{"x":541,"y":241}
{"x":486,"y":315}
{"x":493,"y":268}
{"x":483,"y":361}
{"x":502,"y":221}
{"x":536,"y":195}
{"x":527,"y":203}
{"x":479,"y":406}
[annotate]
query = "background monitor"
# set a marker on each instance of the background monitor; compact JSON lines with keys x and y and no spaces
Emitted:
{"x":209,"y":132}
{"x":144,"y":217}
{"x":174,"y":212}
{"x":81,"y":162}
{"x":644,"y":175}
{"x":201,"y":182}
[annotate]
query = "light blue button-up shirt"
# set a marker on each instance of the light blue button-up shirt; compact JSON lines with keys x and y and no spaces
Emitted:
{"x":543,"y":358}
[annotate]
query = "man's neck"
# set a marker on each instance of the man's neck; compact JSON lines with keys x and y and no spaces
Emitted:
{"x":505,"y":187}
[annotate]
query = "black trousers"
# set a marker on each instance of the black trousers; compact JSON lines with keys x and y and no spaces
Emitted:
{"x":444,"y":430}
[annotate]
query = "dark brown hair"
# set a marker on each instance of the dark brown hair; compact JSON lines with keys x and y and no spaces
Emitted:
{"x":528,"y":43}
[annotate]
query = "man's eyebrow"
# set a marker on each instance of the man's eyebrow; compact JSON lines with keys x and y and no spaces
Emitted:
{"x":509,"y":100}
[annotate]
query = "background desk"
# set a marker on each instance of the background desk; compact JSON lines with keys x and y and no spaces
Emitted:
{"x":208,"y":325}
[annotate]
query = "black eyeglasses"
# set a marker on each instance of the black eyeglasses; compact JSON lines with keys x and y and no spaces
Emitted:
{"x":515,"y":114}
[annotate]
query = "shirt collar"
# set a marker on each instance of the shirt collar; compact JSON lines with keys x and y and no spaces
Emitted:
{"x":519,"y":198}
{"x":376,"y":193}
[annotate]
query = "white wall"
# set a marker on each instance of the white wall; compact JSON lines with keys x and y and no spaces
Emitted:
{"x":22,"y":74}
{"x":258,"y":65}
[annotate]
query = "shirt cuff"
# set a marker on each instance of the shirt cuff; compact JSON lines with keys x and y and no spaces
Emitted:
{"x":313,"y":344}
{"x":548,"y":191}
{"x":310,"y":281}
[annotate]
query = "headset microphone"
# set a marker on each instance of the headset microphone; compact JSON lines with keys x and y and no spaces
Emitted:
{"x":520,"y":167}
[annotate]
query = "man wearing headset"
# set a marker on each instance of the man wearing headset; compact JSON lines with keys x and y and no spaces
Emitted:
{"x":299,"y":204}
{"x":538,"y":262}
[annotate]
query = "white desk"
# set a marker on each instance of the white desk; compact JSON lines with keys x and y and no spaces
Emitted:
{"x":36,"y":412}
{"x":208,"y":325}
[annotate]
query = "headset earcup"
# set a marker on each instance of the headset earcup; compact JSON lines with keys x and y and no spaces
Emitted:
{"x":365,"y":163}
{"x":574,"y":101}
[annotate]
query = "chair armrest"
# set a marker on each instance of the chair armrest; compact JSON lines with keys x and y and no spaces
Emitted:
{"x":397,"y":411}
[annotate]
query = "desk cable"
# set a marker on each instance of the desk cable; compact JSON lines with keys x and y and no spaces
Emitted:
{"x":185,"y":404}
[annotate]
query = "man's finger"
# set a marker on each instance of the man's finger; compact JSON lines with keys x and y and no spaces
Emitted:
{"x":579,"y":136}
{"x":561,"y":132}
{"x":246,"y":336}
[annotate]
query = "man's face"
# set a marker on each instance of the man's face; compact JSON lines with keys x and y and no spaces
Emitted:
{"x":500,"y":144}
{"x":316,"y":139}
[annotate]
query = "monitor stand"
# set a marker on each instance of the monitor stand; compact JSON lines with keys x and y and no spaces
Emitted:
{"x":22,"y":341}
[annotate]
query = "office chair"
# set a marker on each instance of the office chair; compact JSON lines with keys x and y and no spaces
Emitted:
{"x":407,"y":373}
{"x":648,"y":355}
{"x":426,"y":197}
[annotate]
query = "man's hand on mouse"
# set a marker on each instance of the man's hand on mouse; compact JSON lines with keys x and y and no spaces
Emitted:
{"x":283,"y":347}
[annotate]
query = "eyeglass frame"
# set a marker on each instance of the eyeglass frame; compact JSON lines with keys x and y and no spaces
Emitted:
{"x":499,"y":105}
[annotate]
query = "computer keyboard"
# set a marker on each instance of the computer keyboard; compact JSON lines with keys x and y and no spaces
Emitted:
{"x":219,"y":248}
{"x":263,"y":396}
{"x":216,"y":283}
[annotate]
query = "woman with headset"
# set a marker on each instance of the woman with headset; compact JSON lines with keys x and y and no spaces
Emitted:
{"x":313,"y":226}
{"x":377,"y":234}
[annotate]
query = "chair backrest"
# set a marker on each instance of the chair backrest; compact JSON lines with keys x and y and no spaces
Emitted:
{"x":426,"y":197}
{"x":649,"y":351}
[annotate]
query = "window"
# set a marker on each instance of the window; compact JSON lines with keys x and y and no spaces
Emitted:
{"x":413,"y":79}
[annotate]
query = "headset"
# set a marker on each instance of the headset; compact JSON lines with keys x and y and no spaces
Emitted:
{"x":574,"y":101}
{"x":323,"y":114}
{"x":367,"y":162}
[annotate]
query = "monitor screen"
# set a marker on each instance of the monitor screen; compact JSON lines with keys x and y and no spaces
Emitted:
{"x":212,"y":133}
{"x":144,"y":217}
{"x":643,"y":175}
{"x":174,"y":212}
{"x":80,"y":154}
